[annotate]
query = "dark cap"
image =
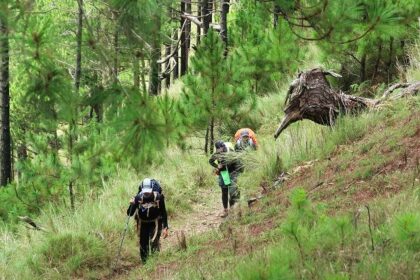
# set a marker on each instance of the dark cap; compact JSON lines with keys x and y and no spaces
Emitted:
{"x":219,"y":144}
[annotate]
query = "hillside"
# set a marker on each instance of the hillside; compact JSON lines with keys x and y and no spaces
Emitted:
{"x":375,"y":166}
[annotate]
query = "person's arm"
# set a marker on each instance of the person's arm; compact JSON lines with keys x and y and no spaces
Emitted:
{"x":163,"y":212}
{"x":134,"y":204}
{"x":212,"y":160}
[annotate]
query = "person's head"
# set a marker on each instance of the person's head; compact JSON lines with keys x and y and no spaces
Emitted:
{"x":146,"y":184}
{"x":245,"y":136}
{"x":220,"y":146}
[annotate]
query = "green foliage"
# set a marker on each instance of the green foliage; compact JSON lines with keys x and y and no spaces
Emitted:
{"x":265,"y":55}
{"x":407,"y":231}
{"x":144,"y":126}
{"x":213,"y":88}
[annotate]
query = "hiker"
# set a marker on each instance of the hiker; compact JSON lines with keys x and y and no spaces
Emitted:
{"x":226,"y":166}
{"x":151,"y":216}
{"x":245,"y":140}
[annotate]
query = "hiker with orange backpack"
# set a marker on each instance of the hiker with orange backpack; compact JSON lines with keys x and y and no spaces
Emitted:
{"x":245,"y":139}
{"x":227,"y":167}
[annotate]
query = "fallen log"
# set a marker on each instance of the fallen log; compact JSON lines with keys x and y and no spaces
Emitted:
{"x":311,"y":97}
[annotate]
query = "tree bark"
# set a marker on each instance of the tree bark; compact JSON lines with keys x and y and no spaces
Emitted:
{"x":5,"y":138}
{"x":212,"y":135}
{"x":223,"y":23}
{"x":276,"y":15}
{"x":206,"y":140}
{"x":143,"y":74}
{"x":136,"y":71}
{"x":176,"y":57}
{"x":378,"y":60}
{"x":168,"y":66}
{"x":183,"y":43}
{"x":363,"y":68}
{"x":188,"y":26}
{"x":389,"y":63}
{"x":77,"y":76}
{"x":206,"y":14}
{"x":116,"y":49}
{"x":198,"y":27}
{"x":154,"y":80}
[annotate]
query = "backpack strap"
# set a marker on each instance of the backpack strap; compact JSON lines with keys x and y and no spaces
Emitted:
{"x":156,"y":199}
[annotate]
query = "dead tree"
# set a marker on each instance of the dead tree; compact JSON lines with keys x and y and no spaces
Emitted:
{"x":311,"y":97}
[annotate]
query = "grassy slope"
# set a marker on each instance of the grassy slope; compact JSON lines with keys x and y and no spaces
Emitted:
{"x":370,"y":159}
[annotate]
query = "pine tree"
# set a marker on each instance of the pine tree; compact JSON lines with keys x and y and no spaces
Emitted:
{"x":264,"y":53}
{"x":214,"y":89}
{"x":5,"y":140}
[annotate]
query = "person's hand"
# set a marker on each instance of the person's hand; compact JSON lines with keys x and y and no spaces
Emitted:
{"x":132,"y":201}
{"x":165,"y":233}
{"x":220,"y":166}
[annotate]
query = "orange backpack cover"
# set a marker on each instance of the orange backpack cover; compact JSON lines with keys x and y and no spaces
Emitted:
{"x":250,"y":132}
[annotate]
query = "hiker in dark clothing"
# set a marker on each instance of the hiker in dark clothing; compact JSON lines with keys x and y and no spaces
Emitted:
{"x":151,"y":217}
{"x":224,"y":161}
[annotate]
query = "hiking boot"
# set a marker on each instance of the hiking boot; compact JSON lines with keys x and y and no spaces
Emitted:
{"x":224,"y":214}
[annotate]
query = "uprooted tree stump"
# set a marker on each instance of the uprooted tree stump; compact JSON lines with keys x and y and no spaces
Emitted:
{"x":311,"y":97}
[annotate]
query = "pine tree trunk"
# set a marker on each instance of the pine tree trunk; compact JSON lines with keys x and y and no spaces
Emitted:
{"x":363,"y":68}
{"x":136,"y":71}
{"x":206,"y":13}
{"x":183,"y":42}
{"x":188,"y":27}
{"x":154,"y":80}
{"x":176,"y":58}
{"x":212,"y":135}
{"x":388,"y":66}
{"x":276,"y":15}
{"x":378,"y":59}
{"x":143,"y":75}
{"x":198,"y":27}
{"x":206,"y":140}
{"x":22,"y":153}
{"x":168,"y":66}
{"x":116,"y":50}
{"x":223,"y":23}
{"x":77,"y":76}
{"x":5,"y":138}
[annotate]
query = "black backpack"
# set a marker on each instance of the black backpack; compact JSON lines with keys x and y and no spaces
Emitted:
{"x":149,"y":205}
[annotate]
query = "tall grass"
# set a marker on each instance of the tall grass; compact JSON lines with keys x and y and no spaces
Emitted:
{"x":412,"y":73}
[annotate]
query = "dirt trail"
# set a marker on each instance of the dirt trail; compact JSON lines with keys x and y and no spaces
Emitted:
{"x":204,"y":217}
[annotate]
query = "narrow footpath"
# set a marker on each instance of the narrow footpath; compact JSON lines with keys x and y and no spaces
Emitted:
{"x":205,"y":216}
